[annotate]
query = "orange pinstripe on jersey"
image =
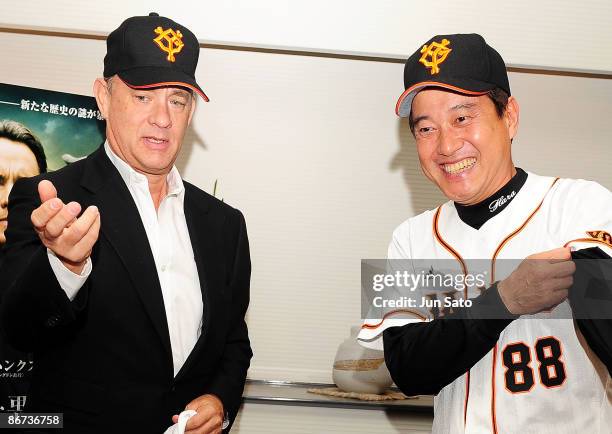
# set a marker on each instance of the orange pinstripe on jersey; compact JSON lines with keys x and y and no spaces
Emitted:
{"x":465,"y":272}
{"x":393,"y":312}
{"x":587,"y":240}
{"x":499,"y":248}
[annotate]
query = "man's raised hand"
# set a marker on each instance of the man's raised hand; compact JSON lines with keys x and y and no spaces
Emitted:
{"x":540,"y":282}
{"x":61,"y":229}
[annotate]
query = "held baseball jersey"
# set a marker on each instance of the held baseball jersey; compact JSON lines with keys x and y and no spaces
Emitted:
{"x":541,"y":376}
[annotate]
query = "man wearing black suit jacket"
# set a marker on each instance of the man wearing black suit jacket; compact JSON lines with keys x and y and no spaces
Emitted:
{"x":134,"y":307}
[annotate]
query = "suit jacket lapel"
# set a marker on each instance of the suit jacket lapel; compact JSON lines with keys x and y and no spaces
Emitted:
{"x":123,"y":228}
{"x":207,"y":254}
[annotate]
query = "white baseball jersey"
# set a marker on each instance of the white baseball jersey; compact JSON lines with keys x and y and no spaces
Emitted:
{"x":541,"y":377}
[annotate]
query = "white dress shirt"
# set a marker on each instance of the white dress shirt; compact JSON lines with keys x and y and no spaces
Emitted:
{"x":168,"y":237}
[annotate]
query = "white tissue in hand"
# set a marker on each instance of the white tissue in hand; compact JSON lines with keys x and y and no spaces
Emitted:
{"x":179,"y":427}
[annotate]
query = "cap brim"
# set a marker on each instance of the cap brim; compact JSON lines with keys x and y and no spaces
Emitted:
{"x":404,"y":102}
{"x":140,"y":78}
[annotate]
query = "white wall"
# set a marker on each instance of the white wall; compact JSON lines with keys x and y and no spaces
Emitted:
{"x":312,"y":152}
{"x":558,"y":34}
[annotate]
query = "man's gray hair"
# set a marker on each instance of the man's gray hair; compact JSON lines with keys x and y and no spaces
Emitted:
{"x":109,"y":83}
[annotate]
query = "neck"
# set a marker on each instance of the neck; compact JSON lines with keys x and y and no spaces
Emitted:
{"x":504,"y":176}
{"x":479,"y":213}
{"x":158,"y":187}
{"x":158,"y":184}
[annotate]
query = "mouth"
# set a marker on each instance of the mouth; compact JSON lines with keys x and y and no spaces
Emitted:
{"x":155,"y":142}
{"x":459,"y":166}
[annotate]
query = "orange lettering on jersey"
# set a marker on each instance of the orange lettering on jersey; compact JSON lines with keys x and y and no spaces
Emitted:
{"x":602,"y":236}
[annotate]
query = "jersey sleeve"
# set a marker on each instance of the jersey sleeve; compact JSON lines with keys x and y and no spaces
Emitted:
{"x":424,"y":354}
{"x":425,"y":357}
{"x":583,"y":217}
{"x":399,"y":259}
{"x":585,"y":224}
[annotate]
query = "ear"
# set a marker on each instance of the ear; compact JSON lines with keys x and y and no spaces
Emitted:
{"x":100,"y":91}
{"x":511,"y":116}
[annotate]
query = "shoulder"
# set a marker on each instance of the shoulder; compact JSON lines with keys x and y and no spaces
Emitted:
{"x":411,"y":229}
{"x":579,"y":190}
{"x":65,"y":177}
{"x":417,"y":223}
{"x":566,"y":193}
{"x":575,"y":207}
{"x":205,"y":200}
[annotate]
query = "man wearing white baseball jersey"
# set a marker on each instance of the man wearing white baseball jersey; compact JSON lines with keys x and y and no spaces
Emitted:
{"x":518,"y":360}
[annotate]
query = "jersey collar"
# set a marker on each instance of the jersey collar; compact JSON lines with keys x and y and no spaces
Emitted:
{"x":478,"y":214}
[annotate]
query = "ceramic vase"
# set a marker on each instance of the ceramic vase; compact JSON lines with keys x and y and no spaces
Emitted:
{"x":359,"y":369}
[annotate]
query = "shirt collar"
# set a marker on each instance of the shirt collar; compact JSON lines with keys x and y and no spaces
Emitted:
{"x":131,"y":177}
{"x":478,"y":214}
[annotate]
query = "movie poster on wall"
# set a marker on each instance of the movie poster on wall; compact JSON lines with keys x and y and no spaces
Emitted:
{"x":58,"y":129}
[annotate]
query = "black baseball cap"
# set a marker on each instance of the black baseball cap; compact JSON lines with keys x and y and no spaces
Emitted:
{"x":153,"y":51}
{"x":463,"y":63}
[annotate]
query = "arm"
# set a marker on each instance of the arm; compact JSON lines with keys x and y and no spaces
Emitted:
{"x":228,"y":381}
{"x":425,"y":357}
{"x":591,"y":298}
{"x":585,"y":224}
{"x":35,"y":311}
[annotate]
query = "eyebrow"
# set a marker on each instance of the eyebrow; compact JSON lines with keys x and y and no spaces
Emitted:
{"x":468,"y":105}
{"x":419,"y":119}
{"x":180,"y":92}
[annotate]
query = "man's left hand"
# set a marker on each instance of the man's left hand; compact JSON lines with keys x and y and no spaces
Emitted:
{"x":209,"y":418}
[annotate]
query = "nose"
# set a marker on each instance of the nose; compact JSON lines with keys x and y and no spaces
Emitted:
{"x":160,"y":115}
{"x":449,"y":142}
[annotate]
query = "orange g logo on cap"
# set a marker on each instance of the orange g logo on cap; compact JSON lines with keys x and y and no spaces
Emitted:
{"x":174,"y":42}
{"x":437,"y":53}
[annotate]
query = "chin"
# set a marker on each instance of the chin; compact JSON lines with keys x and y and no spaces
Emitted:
{"x":459,"y":189}
{"x":456,"y":193}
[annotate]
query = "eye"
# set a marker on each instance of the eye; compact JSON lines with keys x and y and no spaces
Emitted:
{"x":2,"y":180}
{"x":425,"y":130}
{"x":178,"y":103}
{"x":462,"y":119}
{"x":142,"y":98}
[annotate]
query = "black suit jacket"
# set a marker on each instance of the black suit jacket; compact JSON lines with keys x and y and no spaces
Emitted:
{"x":105,"y":357}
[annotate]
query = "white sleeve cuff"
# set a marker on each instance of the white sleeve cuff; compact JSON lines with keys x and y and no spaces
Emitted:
{"x":69,"y":281}
{"x":371,"y":333}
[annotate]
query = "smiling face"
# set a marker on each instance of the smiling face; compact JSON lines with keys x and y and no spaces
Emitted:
{"x":16,"y":161}
{"x":145,"y":128}
{"x":463,"y":145}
